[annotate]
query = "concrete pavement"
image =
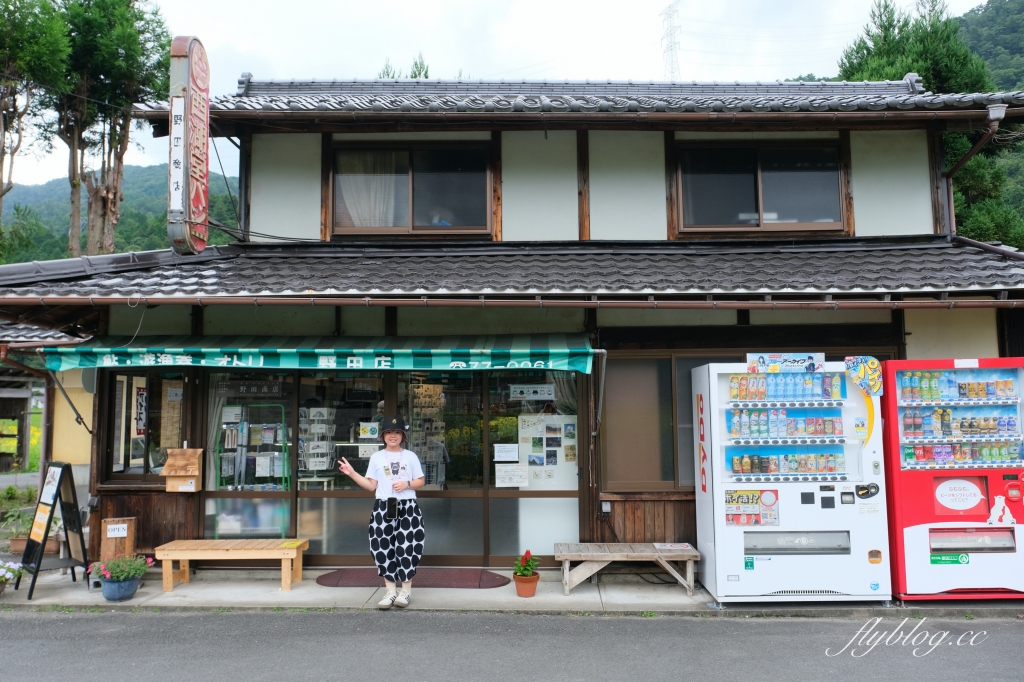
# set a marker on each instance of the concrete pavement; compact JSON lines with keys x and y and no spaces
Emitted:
{"x":261,"y":590}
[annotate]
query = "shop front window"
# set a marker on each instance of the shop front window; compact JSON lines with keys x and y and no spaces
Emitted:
{"x":444,"y":411}
{"x":147,"y":421}
{"x":339,"y":414}
{"x":250,"y":432}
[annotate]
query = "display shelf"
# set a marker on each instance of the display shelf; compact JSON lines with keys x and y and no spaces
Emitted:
{"x":806,"y":440}
{"x":973,"y":464}
{"x":1007,"y":438}
{"x":809,"y":402}
{"x":965,"y":402}
{"x":786,"y":478}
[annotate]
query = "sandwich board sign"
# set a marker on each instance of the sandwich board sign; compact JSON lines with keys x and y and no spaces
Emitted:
{"x":58,"y":489}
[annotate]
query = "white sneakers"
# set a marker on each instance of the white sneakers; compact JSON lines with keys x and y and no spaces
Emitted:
{"x":390,"y":599}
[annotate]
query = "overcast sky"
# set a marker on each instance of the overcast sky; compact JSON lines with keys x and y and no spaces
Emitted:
{"x":494,"y":39}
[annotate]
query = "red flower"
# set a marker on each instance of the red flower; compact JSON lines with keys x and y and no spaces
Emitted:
{"x":526,"y":557}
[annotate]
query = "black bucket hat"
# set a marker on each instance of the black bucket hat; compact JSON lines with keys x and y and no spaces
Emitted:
{"x":392,"y":424}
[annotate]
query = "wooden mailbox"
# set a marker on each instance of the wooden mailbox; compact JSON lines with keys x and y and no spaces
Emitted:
{"x":183,"y":471}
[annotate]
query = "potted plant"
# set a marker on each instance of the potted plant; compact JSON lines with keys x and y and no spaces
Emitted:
{"x":120,"y":575}
{"x":20,"y":523}
{"x":525,"y":575}
{"x":9,"y":572}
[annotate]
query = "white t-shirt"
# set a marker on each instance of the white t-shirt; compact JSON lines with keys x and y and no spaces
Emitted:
{"x":385,"y":467}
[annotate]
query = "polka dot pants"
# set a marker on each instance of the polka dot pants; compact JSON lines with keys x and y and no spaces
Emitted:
{"x":397,"y":546}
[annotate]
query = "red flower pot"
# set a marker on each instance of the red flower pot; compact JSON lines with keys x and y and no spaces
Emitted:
{"x":526,"y":587}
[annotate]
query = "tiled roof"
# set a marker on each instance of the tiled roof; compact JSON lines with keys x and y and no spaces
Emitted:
{"x":11,"y":332}
{"x":401,"y":96}
{"x":841,"y":267}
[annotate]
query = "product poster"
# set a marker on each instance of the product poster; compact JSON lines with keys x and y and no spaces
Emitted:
{"x":751,"y":507}
{"x":511,"y":476}
{"x":548,"y":447}
{"x":140,"y":411}
{"x":50,"y":485}
{"x":866,"y":372}
{"x":369,"y":429}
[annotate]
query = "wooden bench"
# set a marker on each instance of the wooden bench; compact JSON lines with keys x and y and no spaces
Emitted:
{"x":596,"y":556}
{"x":183,"y":551}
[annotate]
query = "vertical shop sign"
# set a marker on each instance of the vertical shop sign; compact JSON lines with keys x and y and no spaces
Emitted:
{"x":140,"y":411}
{"x":188,"y":167}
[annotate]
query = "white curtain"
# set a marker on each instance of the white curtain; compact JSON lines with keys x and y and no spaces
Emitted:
{"x":366,"y":180}
{"x":565,"y":391}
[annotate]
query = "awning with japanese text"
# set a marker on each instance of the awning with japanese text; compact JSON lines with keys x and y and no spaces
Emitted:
{"x":476,"y":353}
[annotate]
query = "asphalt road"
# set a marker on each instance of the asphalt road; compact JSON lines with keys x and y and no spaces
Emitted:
{"x":449,"y":646}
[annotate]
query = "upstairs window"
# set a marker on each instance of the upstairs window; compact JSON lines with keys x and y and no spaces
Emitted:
{"x":779,"y":188}
{"x":421,"y":189}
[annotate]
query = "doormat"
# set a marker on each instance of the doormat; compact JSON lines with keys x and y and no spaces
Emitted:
{"x":461,"y":578}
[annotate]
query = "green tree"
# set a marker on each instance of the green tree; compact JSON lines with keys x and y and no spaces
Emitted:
{"x":995,"y":31}
{"x":33,"y":52}
{"x":120,"y":54}
{"x":419,"y":69}
{"x":928,"y":43}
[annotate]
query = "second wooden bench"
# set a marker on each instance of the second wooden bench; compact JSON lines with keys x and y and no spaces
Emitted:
{"x":183,"y":551}
{"x":596,"y":556}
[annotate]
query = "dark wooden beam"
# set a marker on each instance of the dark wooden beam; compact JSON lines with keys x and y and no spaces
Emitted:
{"x":583,"y":182}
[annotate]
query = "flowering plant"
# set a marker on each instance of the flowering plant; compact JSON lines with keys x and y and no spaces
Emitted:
{"x":9,"y":571}
{"x":121,"y":568}
{"x":525,"y":565}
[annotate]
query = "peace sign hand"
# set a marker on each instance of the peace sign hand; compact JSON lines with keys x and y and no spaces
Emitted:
{"x":345,"y":467}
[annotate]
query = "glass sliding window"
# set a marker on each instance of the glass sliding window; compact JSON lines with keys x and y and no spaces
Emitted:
{"x":371,"y":189}
{"x":338,"y":412}
{"x":249,"y":431}
{"x":541,"y":431}
{"x":720,"y":186}
{"x":449,"y":188}
{"x":636,"y":443}
{"x":771,"y":186}
{"x":444,"y":411}
{"x":420,"y":188}
{"x":147,"y":419}
{"x":800,"y":185}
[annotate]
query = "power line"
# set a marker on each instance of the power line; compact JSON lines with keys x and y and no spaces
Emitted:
{"x":669,"y":41}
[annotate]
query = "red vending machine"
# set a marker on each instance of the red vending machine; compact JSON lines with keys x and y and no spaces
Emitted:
{"x":953,"y":462}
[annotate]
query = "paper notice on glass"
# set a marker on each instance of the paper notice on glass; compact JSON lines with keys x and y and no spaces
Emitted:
{"x":262,"y":466}
{"x":506,"y":453}
{"x":511,"y":476}
{"x":232,"y":414}
{"x":369,"y":429}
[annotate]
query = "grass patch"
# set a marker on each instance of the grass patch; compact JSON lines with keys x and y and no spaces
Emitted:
{"x":324,"y":609}
{"x":136,"y":609}
{"x":298,"y":610}
{"x":222,"y":609}
{"x":156,"y":610}
{"x":969,"y":616}
{"x":57,"y":608}
{"x":279,"y":608}
{"x":647,"y":614}
{"x":93,"y":609}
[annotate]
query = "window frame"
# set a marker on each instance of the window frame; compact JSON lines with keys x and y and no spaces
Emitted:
{"x":111,"y":415}
{"x":412,"y":147}
{"x":844,"y":227}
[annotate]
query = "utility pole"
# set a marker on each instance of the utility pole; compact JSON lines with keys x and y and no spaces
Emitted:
{"x":670,"y":41}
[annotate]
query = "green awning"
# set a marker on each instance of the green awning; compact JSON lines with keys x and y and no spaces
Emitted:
{"x":509,"y":351}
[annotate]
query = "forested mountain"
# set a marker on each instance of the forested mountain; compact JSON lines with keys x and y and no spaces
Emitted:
{"x":143,"y":224}
{"x":995,"y":31}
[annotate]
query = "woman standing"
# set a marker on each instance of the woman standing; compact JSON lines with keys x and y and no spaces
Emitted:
{"x":396,"y":525}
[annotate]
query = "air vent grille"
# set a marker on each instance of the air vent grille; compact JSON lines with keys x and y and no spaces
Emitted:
{"x":801,"y":593}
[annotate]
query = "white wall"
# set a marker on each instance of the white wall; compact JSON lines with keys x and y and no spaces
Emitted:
{"x":891,"y":183}
{"x":791,"y":135}
{"x":285,"y":186}
{"x":968,"y":333}
{"x":397,"y":137}
{"x":627,"y":185}
{"x":539,"y":188}
{"x":268,"y":320}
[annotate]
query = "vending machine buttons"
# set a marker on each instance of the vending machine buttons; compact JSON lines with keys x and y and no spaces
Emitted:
{"x":806,"y":498}
{"x":826,"y":488}
{"x":847,"y":498}
{"x":828,"y":502}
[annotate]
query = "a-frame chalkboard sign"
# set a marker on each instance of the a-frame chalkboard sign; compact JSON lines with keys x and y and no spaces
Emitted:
{"x":58,"y":488}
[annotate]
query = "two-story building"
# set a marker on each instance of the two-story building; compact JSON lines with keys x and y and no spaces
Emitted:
{"x":535,"y":265}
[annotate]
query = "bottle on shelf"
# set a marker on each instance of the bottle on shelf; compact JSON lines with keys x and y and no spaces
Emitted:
{"x":915,"y":386}
{"x":734,"y":387}
{"x":816,"y":386}
{"x":837,"y":387}
{"x":905,"y":391}
{"x":741,"y":389}
{"x":745,"y":424}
